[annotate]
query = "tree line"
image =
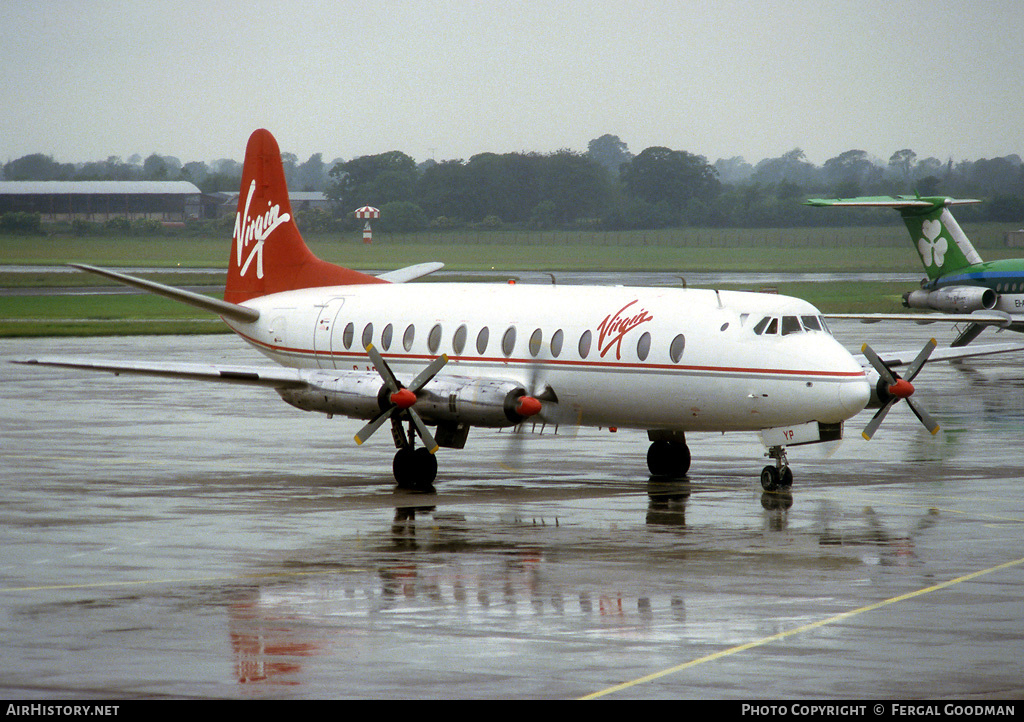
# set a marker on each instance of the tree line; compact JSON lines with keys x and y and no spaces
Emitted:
{"x":605,"y":188}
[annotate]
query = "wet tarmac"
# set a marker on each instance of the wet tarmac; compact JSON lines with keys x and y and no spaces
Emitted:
{"x":167,"y":539}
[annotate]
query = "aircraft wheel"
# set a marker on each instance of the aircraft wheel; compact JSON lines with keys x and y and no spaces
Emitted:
{"x":668,"y":459}
{"x":770,"y":478}
{"x":786,"y":477}
{"x":426,"y":468}
{"x":403,"y":467}
{"x":414,"y":469}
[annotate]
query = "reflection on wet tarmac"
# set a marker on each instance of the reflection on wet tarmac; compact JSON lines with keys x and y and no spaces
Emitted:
{"x":166,"y":541}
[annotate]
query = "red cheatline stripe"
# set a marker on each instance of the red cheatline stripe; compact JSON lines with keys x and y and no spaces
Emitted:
{"x":355,"y":356}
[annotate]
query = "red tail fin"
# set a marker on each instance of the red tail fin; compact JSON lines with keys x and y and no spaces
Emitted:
{"x":268,"y":254}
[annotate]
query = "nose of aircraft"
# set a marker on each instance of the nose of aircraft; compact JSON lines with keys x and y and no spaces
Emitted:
{"x":855,"y":392}
{"x":854,"y":396}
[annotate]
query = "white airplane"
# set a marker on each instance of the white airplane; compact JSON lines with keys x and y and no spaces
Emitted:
{"x":455,"y":355}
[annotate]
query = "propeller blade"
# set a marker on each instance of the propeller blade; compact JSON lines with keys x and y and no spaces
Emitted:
{"x":877,"y":364}
{"x":923,"y":416}
{"x":876,"y":420}
{"x":915,"y":368}
{"x":367,"y":431}
{"x":428,"y":373}
{"x":383,"y":369}
{"x":428,"y":439}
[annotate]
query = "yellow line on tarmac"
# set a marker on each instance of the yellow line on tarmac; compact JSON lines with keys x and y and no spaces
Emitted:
{"x":226,"y":577}
{"x":798,"y":630}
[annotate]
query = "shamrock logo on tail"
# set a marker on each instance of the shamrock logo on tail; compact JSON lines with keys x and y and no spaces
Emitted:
{"x":932,"y":247}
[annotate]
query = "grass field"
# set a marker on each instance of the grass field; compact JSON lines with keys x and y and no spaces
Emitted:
{"x":863,"y":249}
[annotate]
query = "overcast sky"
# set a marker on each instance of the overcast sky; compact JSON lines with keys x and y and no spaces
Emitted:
{"x":88,"y":79}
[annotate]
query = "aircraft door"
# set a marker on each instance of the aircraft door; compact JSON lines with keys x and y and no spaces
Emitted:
{"x":323,"y":332}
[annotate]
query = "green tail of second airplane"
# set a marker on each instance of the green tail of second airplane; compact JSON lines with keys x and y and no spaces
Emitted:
{"x":943,"y":246}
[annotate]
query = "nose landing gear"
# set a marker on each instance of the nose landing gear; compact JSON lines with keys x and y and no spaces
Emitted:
{"x":779,"y":476}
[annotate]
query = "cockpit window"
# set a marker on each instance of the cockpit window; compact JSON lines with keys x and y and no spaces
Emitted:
{"x":791,"y":324}
{"x":811,"y":323}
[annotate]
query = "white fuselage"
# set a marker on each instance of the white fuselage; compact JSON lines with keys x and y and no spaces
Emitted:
{"x":650,"y":358}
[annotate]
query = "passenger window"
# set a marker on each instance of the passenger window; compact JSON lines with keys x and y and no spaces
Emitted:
{"x":556,"y":343}
{"x":367,"y":335}
{"x":761,"y":325}
{"x":585,"y":344}
{"x":508,"y":341}
{"x":535,"y":340}
{"x":811,"y":323}
{"x":348,"y":334}
{"x":410,"y":334}
{"x":643,"y":346}
{"x":790,"y":324}
{"x":459,"y":340}
{"x":675,"y":350}
{"x":385,"y":337}
{"x":481,"y":340}
{"x":434,"y":338}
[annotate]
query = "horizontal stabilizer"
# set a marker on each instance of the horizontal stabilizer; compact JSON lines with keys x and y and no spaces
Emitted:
{"x":897,"y":202}
{"x":278,"y":378}
{"x":222,"y":308}
{"x":410,"y":273}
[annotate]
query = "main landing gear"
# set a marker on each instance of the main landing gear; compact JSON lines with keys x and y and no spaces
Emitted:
{"x":779,"y":476}
{"x":668,"y":456}
{"x":415,"y":468}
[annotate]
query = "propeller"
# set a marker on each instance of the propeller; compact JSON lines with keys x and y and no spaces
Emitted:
{"x":402,"y":398}
{"x":527,"y":406}
{"x":899,"y":388}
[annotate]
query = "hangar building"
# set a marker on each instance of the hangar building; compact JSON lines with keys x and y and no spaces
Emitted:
{"x":165,"y":201}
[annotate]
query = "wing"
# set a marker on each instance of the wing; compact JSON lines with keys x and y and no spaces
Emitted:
{"x":272,"y":377}
{"x":905,"y":357}
{"x":982,"y":318}
{"x":438,"y":399}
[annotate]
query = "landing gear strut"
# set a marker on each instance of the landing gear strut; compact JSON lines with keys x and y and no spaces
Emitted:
{"x":668,"y":455}
{"x":779,"y":476}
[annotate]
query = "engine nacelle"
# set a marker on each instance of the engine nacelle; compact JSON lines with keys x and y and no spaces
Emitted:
{"x":880,"y":395}
{"x":445,"y":400}
{"x":475,"y":402}
{"x":955,"y":299}
{"x":349,"y":393}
